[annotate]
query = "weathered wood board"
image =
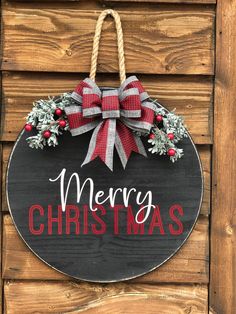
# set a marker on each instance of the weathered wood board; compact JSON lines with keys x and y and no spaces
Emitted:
{"x":110,"y":2}
{"x":189,"y":265}
{"x":69,"y":297}
{"x":223,"y":222}
{"x":163,"y":1}
{"x":177,"y":40}
{"x":192,"y":98}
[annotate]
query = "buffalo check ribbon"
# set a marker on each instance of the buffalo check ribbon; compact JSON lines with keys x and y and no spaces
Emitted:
{"x":114,"y":114}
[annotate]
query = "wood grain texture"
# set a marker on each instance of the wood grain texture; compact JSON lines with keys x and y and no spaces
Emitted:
{"x":205,"y":155}
{"x":191,"y":96}
{"x":223,"y":223}
{"x":190,"y":264}
{"x":166,"y":1}
{"x":177,"y":40}
{"x":111,"y":2}
{"x":69,"y":297}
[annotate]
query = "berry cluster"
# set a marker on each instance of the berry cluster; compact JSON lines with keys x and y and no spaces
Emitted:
{"x":47,"y":133}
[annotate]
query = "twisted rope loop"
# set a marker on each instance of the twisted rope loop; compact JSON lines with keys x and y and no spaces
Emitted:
{"x":120,"y":44}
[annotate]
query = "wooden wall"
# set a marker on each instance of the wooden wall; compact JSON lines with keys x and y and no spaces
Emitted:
{"x":46,"y":48}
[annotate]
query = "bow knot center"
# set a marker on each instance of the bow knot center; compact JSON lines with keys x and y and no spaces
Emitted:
{"x":110,"y":104}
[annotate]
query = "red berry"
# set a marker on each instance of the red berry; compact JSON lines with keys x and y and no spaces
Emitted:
{"x":58,"y":112}
{"x":171,"y":136}
{"x":159,"y":118}
{"x":171,"y":152}
{"x":46,"y":134}
{"x":62,"y":123}
{"x":28,"y":127}
{"x":151,"y":136}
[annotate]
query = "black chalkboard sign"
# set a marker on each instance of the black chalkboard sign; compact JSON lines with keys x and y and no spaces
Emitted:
{"x":107,"y":244}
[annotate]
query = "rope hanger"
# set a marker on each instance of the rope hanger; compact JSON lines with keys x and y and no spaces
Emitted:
{"x":120,"y":44}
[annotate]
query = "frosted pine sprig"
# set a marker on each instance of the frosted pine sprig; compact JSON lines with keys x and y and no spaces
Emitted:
{"x":166,"y":133}
{"x":42,"y":118}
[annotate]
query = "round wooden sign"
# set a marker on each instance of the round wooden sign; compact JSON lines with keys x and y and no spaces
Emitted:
{"x":87,"y":222}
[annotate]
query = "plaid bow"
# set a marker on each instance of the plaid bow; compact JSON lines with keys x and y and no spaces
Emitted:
{"x":113,"y":114}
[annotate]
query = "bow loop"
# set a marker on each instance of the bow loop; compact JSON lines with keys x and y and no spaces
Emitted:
{"x":130,"y":103}
{"x":133,"y":82}
{"x":113,"y":114}
{"x":91,"y":102}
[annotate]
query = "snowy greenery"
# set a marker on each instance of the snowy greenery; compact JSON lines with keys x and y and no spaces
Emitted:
{"x":43,"y":118}
{"x":171,"y":123}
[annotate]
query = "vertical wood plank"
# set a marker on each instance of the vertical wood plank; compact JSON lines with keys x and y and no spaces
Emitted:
{"x":223,"y":223}
{"x":1,"y":170}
